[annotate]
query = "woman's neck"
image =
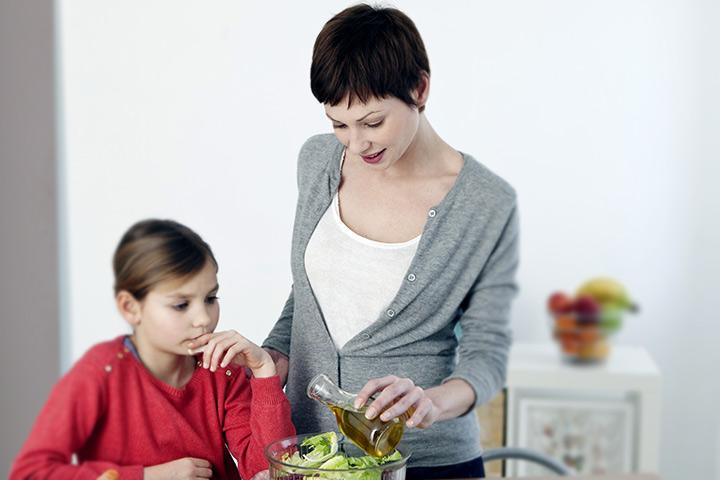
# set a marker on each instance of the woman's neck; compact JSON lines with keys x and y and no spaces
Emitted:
{"x":174,"y":370}
{"x":427,"y":155}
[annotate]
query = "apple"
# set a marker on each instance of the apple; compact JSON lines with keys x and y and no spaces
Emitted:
{"x":560,"y":302}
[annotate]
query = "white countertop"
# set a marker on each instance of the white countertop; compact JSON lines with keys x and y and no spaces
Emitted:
{"x":541,"y":365}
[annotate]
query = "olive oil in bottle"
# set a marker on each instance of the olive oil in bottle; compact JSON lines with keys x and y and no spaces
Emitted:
{"x":374,"y":437}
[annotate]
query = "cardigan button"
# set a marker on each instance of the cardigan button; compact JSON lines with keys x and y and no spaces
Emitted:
{"x":390,"y":313}
{"x":411,"y":277}
{"x":228,"y":372}
{"x":432,"y":213}
{"x":108,"y":368}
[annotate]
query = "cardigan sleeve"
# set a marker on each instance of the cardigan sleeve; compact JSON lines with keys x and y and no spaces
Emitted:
{"x":307,"y":165}
{"x":65,"y":423}
{"x":279,"y":337}
{"x":486,"y":337}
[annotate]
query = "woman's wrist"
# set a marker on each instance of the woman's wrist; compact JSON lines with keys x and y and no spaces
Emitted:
{"x":452,"y":399}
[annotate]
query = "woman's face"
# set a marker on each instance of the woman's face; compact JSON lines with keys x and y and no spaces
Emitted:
{"x":379,"y":131}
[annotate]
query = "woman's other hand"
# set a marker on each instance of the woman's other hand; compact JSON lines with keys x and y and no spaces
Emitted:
{"x":221,"y":348}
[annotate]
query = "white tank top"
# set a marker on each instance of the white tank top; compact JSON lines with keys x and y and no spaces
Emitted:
{"x":354,"y":279}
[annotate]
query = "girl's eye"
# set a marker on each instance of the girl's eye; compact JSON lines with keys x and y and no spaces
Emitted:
{"x":375,"y":125}
{"x":212,"y":299}
{"x":338,"y":126}
{"x":181,"y":306}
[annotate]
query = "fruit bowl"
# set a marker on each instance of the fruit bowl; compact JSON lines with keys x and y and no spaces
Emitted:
{"x":584,"y":324}
{"x":278,"y":452}
{"x":582,"y":338}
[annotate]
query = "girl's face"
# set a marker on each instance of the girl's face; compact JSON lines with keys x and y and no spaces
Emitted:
{"x":379,"y":132}
{"x":176,"y":312}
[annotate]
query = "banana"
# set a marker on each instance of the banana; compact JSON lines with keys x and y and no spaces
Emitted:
{"x":607,"y":291}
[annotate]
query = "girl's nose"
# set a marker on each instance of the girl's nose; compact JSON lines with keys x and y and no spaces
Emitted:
{"x":203,"y":319}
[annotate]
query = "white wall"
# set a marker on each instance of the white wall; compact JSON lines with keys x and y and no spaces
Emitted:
{"x":594,"y":111}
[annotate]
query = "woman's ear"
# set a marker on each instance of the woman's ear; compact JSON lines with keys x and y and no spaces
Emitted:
{"x":128,"y":307}
{"x":422,"y":91}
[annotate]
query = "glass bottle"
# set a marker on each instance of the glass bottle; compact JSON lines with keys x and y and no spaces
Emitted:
{"x":374,"y":437}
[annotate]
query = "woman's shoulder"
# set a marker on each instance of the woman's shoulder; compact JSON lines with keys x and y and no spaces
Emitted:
{"x":481,"y":183}
{"x":320,"y":144}
{"x":319,"y":155}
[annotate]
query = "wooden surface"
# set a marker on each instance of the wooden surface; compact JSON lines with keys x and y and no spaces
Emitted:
{"x":492,"y":430}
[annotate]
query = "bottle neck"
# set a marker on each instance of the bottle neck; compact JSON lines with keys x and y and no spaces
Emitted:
{"x":322,"y":389}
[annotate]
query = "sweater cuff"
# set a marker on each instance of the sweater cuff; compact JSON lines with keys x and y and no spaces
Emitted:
{"x":481,"y":388}
{"x":267,"y":391}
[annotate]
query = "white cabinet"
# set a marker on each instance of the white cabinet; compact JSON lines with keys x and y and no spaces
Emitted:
{"x":601,"y":418}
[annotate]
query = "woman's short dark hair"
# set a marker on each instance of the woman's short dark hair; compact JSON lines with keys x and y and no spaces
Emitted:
{"x":367,"y":52}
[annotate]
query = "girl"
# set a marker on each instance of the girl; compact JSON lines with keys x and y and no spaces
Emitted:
{"x":172,"y":400}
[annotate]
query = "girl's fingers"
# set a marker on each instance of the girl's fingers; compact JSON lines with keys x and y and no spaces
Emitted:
{"x":220,"y":347}
{"x":231,"y":354}
{"x":411,"y":398}
{"x":210,"y":348}
{"x":203,"y":473}
{"x":199,"y":342}
{"x":372,"y":386}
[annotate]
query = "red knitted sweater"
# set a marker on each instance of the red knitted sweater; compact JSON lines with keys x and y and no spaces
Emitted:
{"x":113,"y":414}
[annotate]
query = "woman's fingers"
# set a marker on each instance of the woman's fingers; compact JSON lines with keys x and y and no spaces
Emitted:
{"x":372,"y":386}
{"x":422,"y":411}
{"x":398,"y":388}
{"x":409,"y":399}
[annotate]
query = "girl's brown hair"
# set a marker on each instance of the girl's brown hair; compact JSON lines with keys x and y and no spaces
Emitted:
{"x":152,"y":251}
{"x":368,"y":52}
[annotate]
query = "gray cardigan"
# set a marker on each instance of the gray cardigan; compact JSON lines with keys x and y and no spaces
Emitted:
{"x":462,"y":273}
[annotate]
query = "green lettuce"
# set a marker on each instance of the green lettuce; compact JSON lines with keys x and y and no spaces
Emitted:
{"x":322,"y":453}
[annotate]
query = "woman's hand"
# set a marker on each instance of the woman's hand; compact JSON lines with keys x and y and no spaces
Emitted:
{"x":182,"y":468}
{"x":397,"y":396}
{"x":221,"y":348}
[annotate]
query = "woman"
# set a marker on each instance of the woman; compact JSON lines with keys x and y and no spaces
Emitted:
{"x":398,"y":239}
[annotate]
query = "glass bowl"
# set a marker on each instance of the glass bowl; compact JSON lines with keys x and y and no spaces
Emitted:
{"x":285,"y":471}
{"x":583,"y":338}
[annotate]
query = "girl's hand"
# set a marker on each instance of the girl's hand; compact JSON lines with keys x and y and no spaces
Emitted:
{"x":182,"y":468}
{"x":397,"y":396}
{"x":221,"y":348}
{"x":282,"y":364}
{"x":263,"y":475}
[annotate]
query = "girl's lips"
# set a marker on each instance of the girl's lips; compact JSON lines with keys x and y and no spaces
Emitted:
{"x":376,"y":158}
